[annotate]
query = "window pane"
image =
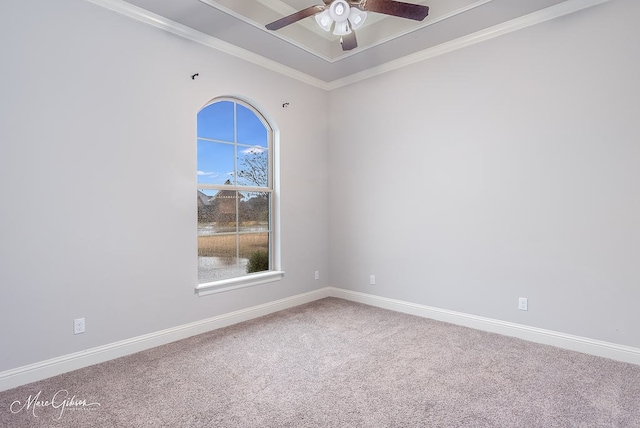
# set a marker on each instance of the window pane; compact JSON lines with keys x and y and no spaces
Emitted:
{"x":217,"y":258}
{"x":217,"y":211}
{"x":215,"y":121}
{"x":254,"y":248}
{"x":251,"y":131}
{"x":221,"y":246}
{"x":205,"y":212}
{"x":253,"y":212}
{"x":215,"y":163}
{"x":253,"y":167}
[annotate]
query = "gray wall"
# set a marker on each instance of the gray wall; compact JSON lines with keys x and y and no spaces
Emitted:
{"x":509,"y":168}
{"x":97,"y":178}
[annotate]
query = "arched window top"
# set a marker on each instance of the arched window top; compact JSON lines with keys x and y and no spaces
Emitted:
{"x":243,"y":153}
{"x":215,"y":121}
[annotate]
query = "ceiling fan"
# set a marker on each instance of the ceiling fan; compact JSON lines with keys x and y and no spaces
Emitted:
{"x":346,"y":16}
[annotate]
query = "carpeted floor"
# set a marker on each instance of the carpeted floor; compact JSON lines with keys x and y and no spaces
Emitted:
{"x":334,"y":363}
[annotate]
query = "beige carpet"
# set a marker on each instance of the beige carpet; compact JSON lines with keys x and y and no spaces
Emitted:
{"x":334,"y":363}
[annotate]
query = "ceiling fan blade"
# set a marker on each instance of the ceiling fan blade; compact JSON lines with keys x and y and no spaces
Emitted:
{"x":417,"y":12}
{"x":349,"y":41}
{"x":295,"y":17}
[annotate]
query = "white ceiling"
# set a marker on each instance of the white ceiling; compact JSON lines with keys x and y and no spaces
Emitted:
{"x":309,"y":53}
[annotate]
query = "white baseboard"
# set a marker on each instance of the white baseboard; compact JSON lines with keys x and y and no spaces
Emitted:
{"x":547,"y":337}
{"x":55,"y":366}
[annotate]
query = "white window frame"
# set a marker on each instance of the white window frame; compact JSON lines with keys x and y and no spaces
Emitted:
{"x":275,"y":273}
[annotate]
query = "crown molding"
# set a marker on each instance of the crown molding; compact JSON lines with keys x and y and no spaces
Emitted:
{"x":155,"y":20}
{"x":525,"y":21}
{"x":163,"y":23}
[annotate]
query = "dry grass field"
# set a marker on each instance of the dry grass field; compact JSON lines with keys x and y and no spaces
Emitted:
{"x":225,"y":245}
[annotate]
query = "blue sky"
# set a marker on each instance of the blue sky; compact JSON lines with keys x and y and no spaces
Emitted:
{"x":216,"y":122}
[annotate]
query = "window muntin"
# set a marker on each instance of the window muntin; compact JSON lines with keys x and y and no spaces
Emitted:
{"x":235,"y":193}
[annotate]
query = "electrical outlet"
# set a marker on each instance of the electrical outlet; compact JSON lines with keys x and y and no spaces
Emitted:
{"x":523,"y":304}
{"x":317,"y":274}
{"x":78,"y":325}
{"x":372,"y":279}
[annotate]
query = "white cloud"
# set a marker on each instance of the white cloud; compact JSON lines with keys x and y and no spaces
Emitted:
{"x":254,"y":150}
{"x":206,"y":173}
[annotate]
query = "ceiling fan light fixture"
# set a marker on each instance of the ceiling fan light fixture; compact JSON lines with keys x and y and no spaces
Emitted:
{"x":347,"y":16}
{"x":324,"y":20}
{"x":339,"y":10}
{"x":342,"y":29}
{"x":357,"y":18}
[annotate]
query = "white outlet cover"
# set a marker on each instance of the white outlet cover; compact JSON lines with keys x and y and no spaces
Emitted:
{"x":78,"y":325}
{"x":523,"y":304}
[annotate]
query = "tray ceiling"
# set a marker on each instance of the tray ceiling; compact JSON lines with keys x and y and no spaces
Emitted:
{"x":304,"y":48}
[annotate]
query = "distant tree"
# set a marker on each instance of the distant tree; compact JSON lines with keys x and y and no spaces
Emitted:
{"x":255,"y":208}
{"x":254,"y":169}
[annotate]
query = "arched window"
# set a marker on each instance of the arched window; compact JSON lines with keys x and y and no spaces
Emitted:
{"x":237,"y":200}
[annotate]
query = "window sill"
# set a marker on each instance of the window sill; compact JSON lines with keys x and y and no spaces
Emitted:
{"x":237,"y":283}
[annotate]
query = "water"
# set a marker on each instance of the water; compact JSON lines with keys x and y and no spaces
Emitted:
{"x":210,"y":229}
